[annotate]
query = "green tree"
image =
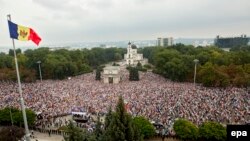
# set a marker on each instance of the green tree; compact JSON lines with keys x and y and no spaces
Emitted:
{"x":73,"y":133}
{"x":117,"y":56}
{"x":237,"y":74}
{"x":121,"y":126}
{"x":6,"y":61}
{"x":212,"y":131}
{"x":175,"y":70}
{"x":22,"y":60}
{"x":184,"y":49}
{"x":108,"y":118}
{"x":133,"y":74}
{"x":139,"y":65}
{"x":203,"y":57}
{"x":247,"y":71}
{"x":31,"y":117}
{"x":145,"y":127}
{"x":5,"y":115}
{"x":213,"y":76}
{"x":98,"y":74}
{"x":165,"y":56}
{"x":107,"y":127}
{"x":147,"y":66}
{"x":18,"y":51}
{"x":186,"y":130}
{"x":70,"y":69}
{"x":149,"y":53}
{"x":176,"y":63}
{"x":84,"y":68}
{"x":55,"y":66}
{"x":5,"y":118}
{"x":172,"y":64}
{"x":27,"y":75}
{"x":18,"y":117}
{"x":241,"y":57}
{"x":98,"y":133}
{"x":36,"y":55}
{"x":241,"y":48}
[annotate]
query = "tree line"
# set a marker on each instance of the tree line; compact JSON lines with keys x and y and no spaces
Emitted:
{"x":216,"y":67}
{"x":57,"y":64}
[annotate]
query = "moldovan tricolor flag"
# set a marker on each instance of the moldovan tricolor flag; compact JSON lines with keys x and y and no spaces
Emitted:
{"x":23,"y":33}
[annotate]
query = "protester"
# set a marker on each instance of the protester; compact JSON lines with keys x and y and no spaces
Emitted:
{"x":154,"y":97}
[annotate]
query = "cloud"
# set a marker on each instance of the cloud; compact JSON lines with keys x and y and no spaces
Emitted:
{"x":70,"y":5}
{"x":54,"y":4}
{"x":93,"y":20}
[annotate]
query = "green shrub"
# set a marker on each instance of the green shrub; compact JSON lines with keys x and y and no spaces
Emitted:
{"x":186,"y":130}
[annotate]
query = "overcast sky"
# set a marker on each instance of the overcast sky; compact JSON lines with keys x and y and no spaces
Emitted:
{"x":58,"y":21}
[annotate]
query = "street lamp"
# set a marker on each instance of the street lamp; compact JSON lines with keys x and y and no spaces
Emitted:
{"x":195,"y":62}
{"x":40,"y":72}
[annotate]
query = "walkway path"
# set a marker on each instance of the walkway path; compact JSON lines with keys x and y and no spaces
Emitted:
{"x":45,"y":137}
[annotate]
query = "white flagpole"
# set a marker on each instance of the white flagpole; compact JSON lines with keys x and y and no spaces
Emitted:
{"x":20,"y":90}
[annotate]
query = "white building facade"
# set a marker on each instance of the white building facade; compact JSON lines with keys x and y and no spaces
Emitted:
{"x":132,"y":57}
{"x":111,"y":74}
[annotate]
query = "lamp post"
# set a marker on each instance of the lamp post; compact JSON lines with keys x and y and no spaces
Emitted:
{"x":40,"y":72}
{"x":195,"y":64}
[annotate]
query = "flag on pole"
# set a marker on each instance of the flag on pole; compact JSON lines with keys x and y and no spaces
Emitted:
{"x":23,"y":33}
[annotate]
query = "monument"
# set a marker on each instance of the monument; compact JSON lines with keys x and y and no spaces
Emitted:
{"x":111,"y":74}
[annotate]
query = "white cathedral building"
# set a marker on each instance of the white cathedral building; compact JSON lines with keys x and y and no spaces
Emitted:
{"x":132,"y":57}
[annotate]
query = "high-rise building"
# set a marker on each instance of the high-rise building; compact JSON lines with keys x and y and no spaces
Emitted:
{"x":164,"y":42}
{"x":229,"y":42}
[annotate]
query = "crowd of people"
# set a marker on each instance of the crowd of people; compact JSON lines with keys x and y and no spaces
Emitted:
{"x":154,"y":97}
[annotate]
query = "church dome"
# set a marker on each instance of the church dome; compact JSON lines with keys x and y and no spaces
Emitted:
{"x":129,"y":43}
{"x":134,"y":46}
